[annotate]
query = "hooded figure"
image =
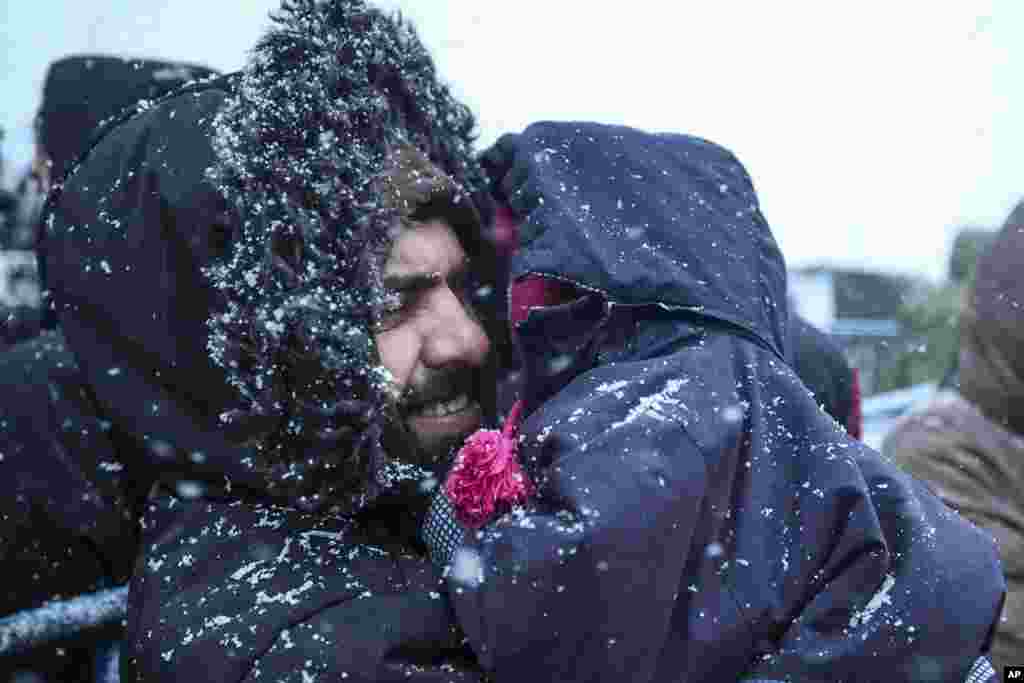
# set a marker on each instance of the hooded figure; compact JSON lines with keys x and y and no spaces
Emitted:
{"x":220,"y":266}
{"x":822,"y":366}
{"x":80,"y":92}
{"x":694,"y":514}
{"x":970,"y":447}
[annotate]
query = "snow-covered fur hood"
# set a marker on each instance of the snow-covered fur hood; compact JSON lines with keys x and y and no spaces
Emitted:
{"x":315,"y":150}
{"x":249,"y":218}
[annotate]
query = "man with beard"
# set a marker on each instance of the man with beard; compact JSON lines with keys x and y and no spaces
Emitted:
{"x":268,"y":349}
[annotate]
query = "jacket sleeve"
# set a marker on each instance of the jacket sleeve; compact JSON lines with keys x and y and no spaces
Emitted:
{"x":395,"y":638}
{"x":232,"y":592}
{"x":582,"y":584}
{"x":934,"y":589}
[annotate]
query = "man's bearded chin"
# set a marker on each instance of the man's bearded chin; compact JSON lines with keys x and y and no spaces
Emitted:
{"x":438,"y":453}
{"x":433,"y":456}
{"x":435,"y":452}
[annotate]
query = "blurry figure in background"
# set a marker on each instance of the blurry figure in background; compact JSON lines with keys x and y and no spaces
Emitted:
{"x":41,"y":558}
{"x":968,"y":246}
{"x":970,"y":446}
{"x":8,"y":200}
{"x":684,"y":510}
{"x":23,"y":229}
{"x":8,"y":214}
{"x":19,"y":286}
{"x":80,"y":92}
{"x":824,"y":369}
{"x":20,"y":297}
{"x":266,"y":351}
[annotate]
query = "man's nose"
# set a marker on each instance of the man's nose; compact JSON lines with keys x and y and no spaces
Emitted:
{"x":455,"y":336}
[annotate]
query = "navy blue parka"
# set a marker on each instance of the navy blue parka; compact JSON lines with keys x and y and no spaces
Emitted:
{"x":697,"y":517}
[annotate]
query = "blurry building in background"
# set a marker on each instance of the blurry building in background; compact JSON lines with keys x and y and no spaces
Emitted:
{"x":902,"y":335}
{"x":860,"y":310}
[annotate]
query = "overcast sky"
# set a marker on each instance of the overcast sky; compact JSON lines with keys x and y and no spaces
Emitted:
{"x":871,"y":129}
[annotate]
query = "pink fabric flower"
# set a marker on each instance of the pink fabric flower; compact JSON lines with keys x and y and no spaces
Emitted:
{"x":486,"y":478}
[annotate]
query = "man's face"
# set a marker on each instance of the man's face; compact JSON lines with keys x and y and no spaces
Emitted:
{"x":429,"y":339}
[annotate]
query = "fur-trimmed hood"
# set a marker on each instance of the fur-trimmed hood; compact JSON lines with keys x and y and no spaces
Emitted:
{"x":254,"y":212}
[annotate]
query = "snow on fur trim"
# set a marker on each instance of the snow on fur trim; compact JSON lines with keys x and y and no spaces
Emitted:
{"x":329,"y":96}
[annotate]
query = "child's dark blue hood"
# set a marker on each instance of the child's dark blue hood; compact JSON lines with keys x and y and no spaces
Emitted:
{"x":663,"y":219}
{"x":696,"y":515}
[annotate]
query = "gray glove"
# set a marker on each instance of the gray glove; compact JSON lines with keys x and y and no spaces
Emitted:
{"x":981,"y":672}
{"x":441,"y":531}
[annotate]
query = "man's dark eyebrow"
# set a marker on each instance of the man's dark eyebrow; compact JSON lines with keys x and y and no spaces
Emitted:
{"x":412,"y":282}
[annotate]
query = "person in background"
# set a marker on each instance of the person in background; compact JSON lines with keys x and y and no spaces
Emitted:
{"x":968,"y":445}
{"x":824,"y":369}
{"x":19,"y":285}
{"x":8,"y":210}
{"x":8,"y":200}
{"x":80,"y":93}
